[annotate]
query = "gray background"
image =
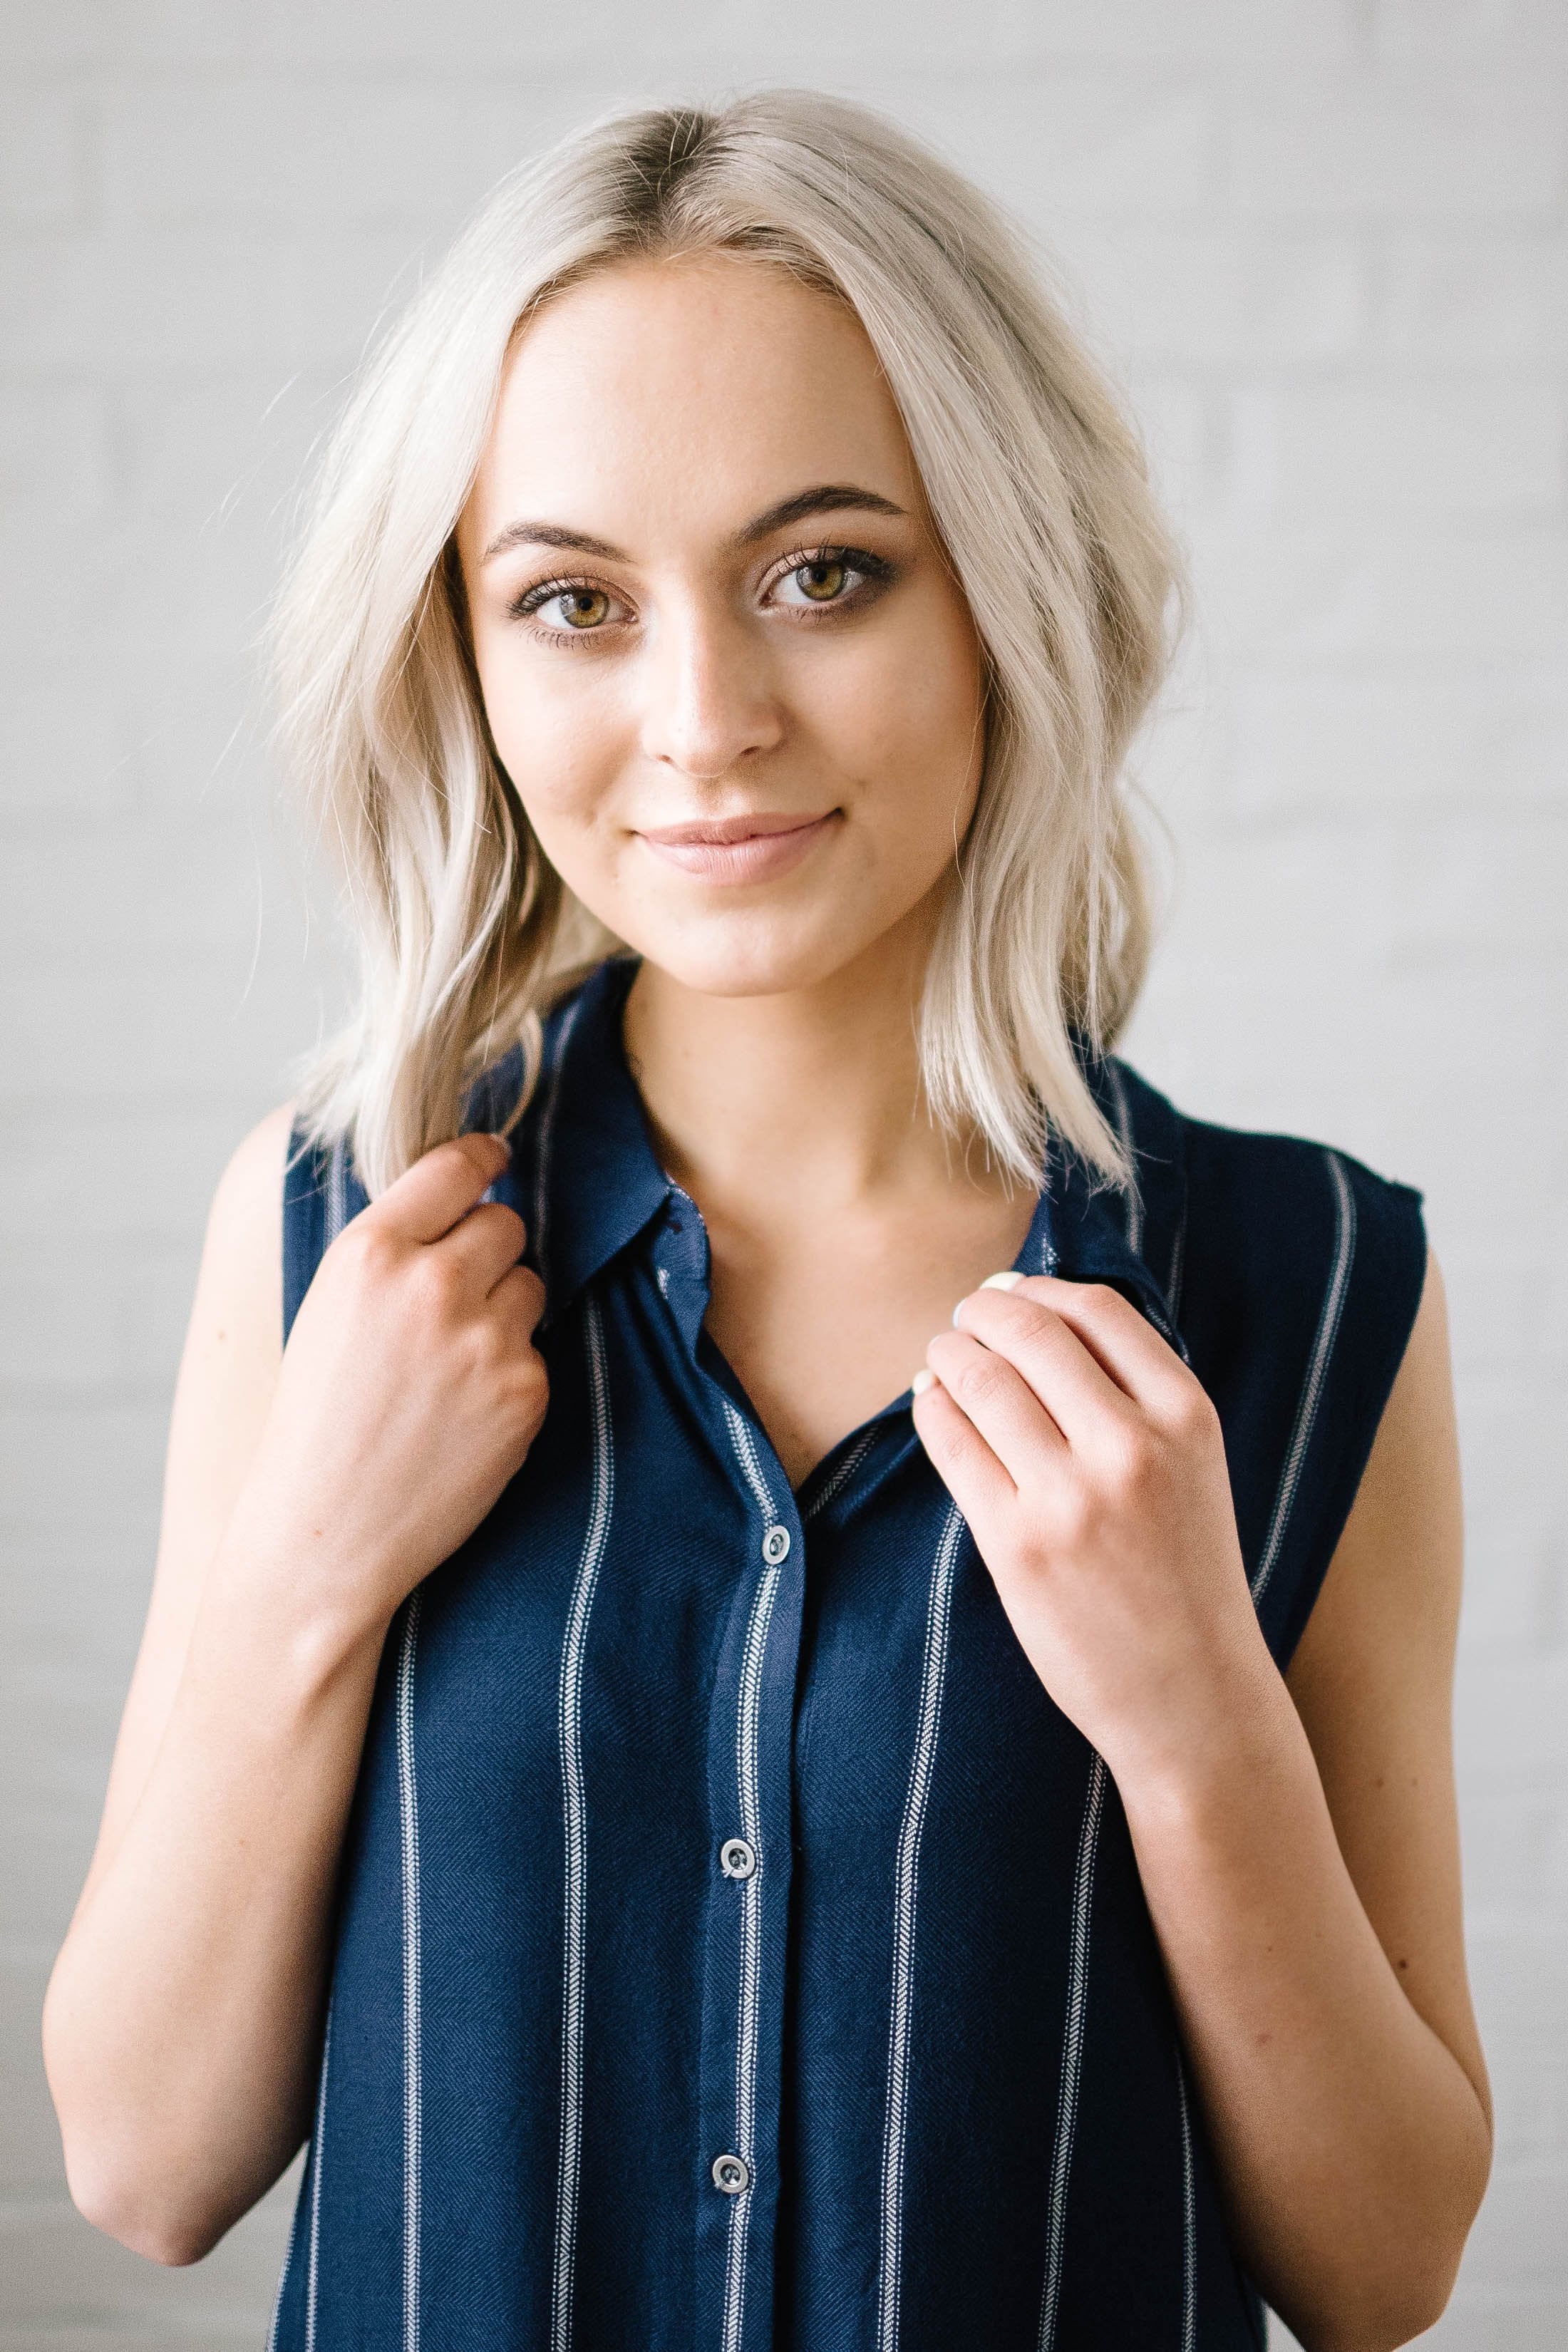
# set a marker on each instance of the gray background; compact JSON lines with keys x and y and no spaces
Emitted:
{"x":1323,"y":244}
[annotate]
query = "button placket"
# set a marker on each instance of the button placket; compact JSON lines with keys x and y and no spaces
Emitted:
{"x":750,"y":1791}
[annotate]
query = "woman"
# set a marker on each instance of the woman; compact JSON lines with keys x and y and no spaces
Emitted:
{"x":707,"y":1855}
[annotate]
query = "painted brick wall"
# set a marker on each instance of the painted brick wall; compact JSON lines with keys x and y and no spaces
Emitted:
{"x":1324,"y":244}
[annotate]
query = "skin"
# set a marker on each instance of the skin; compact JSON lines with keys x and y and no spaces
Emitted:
{"x":1297,"y":1841}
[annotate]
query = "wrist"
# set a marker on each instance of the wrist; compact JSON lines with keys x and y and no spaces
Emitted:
{"x":295,"y":1616}
{"x":1237,"y":1731}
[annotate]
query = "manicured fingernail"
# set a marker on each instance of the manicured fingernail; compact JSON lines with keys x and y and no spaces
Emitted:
{"x":922,"y":1381}
{"x":1008,"y":1281}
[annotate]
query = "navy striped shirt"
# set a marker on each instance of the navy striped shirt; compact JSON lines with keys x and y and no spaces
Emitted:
{"x":737,"y":1947}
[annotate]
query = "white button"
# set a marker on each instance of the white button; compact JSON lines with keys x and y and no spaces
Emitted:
{"x":737,"y":1859}
{"x":731,"y":2174}
{"x":775,"y":1545}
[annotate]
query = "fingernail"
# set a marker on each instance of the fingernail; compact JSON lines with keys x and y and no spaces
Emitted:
{"x":1008,"y":1281}
{"x":922,"y":1381}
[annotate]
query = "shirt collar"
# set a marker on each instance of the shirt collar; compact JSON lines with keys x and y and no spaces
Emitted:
{"x":599,"y":1181}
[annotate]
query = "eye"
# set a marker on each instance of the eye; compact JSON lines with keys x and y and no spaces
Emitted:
{"x":820,"y":584}
{"x":580,"y":608}
{"x":568,"y":607}
{"x":829,"y":576}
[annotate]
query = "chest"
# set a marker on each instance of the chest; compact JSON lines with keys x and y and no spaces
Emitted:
{"x":825,"y":1319}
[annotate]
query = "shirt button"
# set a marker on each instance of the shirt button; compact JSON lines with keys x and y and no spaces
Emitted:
{"x":731,"y":2174}
{"x":775,"y":1545}
{"x":737,"y":1859}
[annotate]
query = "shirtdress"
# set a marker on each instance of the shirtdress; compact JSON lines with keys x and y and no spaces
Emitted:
{"x":738,"y":1951}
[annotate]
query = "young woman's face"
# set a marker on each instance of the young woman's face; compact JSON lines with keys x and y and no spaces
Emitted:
{"x":724,"y":661}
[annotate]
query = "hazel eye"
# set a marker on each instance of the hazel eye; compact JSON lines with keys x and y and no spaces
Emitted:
{"x":576,"y":608}
{"x":821,"y":582}
{"x":821,"y":579}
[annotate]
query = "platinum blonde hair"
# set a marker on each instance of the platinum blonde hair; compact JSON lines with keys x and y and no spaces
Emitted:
{"x":1038,"y":487}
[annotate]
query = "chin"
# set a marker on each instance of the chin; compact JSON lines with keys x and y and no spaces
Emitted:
{"x":751,"y":955}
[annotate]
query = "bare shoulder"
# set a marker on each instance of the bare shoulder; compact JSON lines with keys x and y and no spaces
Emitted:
{"x":244,"y":1243}
{"x":1390,"y":1604}
{"x":1373,"y":1682}
{"x":235,"y":1342}
{"x":234,"y":1347}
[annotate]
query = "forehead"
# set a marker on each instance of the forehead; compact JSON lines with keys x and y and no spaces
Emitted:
{"x":687,"y":392}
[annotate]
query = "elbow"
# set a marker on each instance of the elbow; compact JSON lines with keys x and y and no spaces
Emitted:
{"x":1382,"y":2305}
{"x":123,"y":2174}
{"x":127,"y":2205}
{"x":1384,"y":2313}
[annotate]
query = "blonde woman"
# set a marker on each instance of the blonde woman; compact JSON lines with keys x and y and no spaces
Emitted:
{"x":715,"y":1841}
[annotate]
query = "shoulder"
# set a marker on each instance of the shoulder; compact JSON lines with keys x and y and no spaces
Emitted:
{"x":234,"y":1339}
{"x":240,"y":1255}
{"x":1263,"y":1218}
{"x":1296,"y":1273}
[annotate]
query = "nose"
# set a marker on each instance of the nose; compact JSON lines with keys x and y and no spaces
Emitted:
{"x":709,"y":696}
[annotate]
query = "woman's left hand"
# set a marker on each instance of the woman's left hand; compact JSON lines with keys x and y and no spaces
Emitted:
{"x":1088,"y":1462}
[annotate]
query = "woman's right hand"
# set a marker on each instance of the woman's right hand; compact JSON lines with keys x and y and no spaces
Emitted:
{"x":409,"y":1395}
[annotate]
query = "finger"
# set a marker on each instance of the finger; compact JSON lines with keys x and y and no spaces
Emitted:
{"x":993,"y":1395}
{"x":519,"y":1297}
{"x":486,"y":1244}
{"x":1123,"y":1342}
{"x":1067,"y":1377}
{"x":972,"y":1475}
{"x":429,"y":1198}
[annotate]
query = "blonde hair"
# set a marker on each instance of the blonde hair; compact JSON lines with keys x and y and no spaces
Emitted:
{"x":1039,"y":488}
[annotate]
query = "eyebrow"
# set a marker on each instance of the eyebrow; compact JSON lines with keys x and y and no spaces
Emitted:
{"x":824,"y":498}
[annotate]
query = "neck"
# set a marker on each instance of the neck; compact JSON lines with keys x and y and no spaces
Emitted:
{"x":765,"y":1104}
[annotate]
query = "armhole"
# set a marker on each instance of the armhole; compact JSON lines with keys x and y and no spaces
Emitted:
{"x":1380,"y":1230}
{"x":321,"y":1193}
{"x":1304,"y":1274}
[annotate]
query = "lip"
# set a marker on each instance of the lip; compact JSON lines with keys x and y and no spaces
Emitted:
{"x":756,"y":848}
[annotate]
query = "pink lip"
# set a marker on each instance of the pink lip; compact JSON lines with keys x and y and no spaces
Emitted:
{"x":753,"y":848}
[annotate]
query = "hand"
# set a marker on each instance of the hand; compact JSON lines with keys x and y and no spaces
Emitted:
{"x":1089,"y":1465}
{"x":409,"y":1395}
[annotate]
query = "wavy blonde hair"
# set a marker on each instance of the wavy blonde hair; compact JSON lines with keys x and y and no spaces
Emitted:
{"x":1038,"y":486}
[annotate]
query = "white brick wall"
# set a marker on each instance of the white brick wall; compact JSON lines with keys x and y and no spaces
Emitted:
{"x":1325,"y":244}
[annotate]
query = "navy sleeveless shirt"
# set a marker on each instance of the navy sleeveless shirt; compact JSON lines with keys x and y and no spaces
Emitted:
{"x":737,"y":1947}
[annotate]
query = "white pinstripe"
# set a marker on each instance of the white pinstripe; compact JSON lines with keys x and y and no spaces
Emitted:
{"x":1178,"y":1271}
{"x":890,"y":2282}
{"x":337,"y":1191}
{"x":1072,"y":2050}
{"x":1189,"y":2218}
{"x":842,"y":1475}
{"x":740,"y":1438}
{"x":1317,"y":1366}
{"x":413,"y":2048}
{"x":574,"y":1812}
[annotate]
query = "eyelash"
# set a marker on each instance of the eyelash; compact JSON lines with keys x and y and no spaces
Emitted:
{"x":875,"y":572}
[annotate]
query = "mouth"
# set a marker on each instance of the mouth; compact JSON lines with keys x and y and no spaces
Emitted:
{"x":755,"y":847}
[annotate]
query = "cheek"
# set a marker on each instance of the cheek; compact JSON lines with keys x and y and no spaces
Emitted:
{"x":910,"y":728}
{"x":559,"y":745}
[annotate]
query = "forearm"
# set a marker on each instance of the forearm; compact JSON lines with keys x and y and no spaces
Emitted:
{"x":1352,"y":2146}
{"x":183,"y":2016}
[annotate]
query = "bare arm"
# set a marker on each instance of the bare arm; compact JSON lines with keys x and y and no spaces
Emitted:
{"x":1299,"y":1859}
{"x":306,"y":1495}
{"x":1306,"y":1890}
